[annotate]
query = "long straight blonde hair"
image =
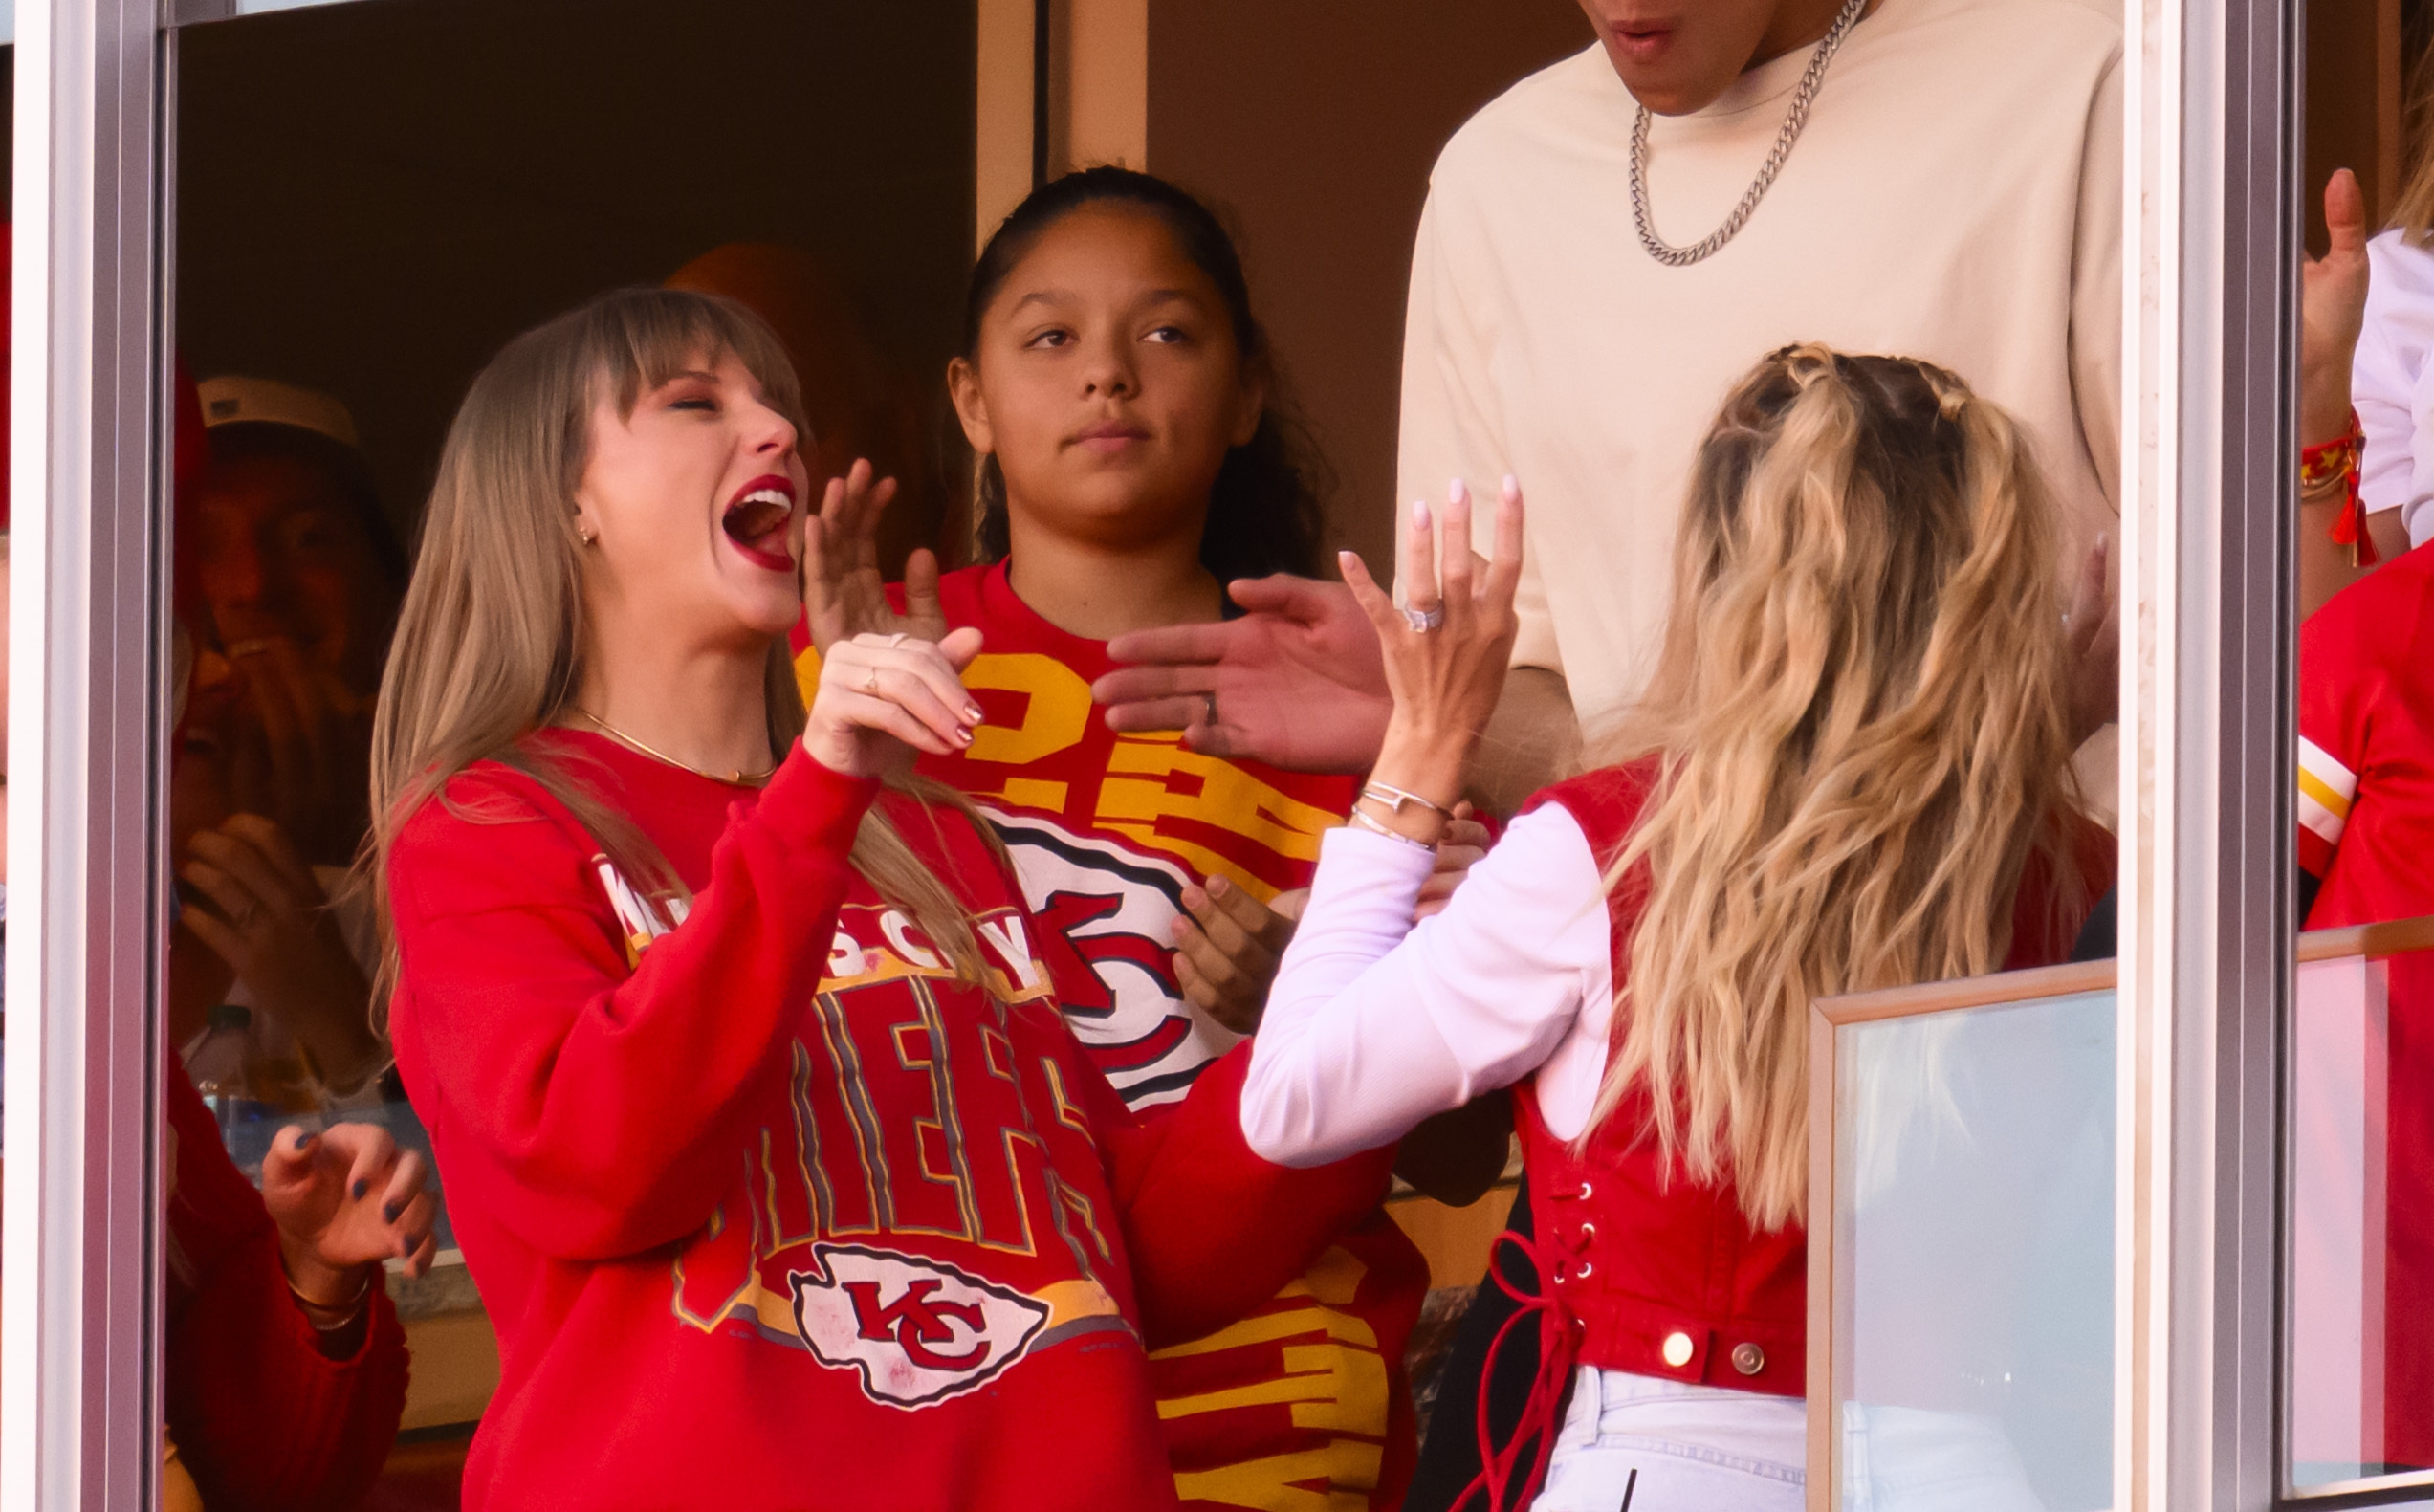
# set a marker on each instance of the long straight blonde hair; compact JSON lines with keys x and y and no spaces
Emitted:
{"x":1861,"y":724}
{"x":491,"y":640}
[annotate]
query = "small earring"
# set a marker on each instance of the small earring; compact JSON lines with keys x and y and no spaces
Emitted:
{"x":584,"y":535}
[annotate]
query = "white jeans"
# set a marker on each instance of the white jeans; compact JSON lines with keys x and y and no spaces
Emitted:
{"x":1709,"y":1449}
{"x":1696,"y":1447}
{"x":1908,"y":1459}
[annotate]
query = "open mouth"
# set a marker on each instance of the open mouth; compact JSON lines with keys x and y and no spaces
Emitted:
{"x":757,"y":520}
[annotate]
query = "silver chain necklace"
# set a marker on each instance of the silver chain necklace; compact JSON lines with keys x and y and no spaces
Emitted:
{"x":1794,"y":121}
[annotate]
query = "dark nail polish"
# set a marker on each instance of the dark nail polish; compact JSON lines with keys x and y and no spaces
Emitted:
{"x":389,"y":1211}
{"x":360,"y":1188}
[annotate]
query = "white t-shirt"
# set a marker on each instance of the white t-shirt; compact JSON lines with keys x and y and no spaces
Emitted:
{"x":1957,"y":196}
{"x":2392,"y":383}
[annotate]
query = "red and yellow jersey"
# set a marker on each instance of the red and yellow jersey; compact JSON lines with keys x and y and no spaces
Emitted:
{"x":1304,"y":1402}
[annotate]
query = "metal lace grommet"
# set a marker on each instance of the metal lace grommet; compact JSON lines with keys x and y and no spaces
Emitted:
{"x":1587,"y":1269}
{"x":1584,"y":1192}
{"x":1588,"y":1233}
{"x":1562,"y":1275}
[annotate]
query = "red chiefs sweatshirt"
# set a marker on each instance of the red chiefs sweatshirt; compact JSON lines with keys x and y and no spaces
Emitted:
{"x":773,"y":1209}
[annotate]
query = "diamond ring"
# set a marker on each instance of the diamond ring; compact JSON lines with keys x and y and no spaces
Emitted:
{"x":1424,"y":619}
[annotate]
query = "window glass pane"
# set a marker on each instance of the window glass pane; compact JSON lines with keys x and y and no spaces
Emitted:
{"x":2361,"y":1258}
{"x":1974,"y":1268}
{"x":372,"y":199}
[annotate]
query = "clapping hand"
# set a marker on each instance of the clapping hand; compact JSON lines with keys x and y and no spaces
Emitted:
{"x":843,"y":593}
{"x":1447,"y":646}
{"x":882,"y":697}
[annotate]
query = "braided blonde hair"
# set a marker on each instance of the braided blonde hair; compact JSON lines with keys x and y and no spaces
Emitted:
{"x":1860,"y":721}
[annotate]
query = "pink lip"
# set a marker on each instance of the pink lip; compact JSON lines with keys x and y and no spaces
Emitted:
{"x":1643,"y":44}
{"x":1110,"y":436}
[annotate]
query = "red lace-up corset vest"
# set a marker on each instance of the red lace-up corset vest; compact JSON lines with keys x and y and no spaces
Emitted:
{"x":1650,"y":1271}
{"x":1645,"y":1270}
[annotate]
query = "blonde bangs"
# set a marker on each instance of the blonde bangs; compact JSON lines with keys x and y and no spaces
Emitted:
{"x":490,"y":642}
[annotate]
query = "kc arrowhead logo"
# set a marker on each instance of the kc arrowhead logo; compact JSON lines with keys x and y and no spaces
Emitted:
{"x":916,"y":1331}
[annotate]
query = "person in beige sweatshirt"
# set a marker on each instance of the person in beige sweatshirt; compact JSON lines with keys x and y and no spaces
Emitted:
{"x":1946,"y":184}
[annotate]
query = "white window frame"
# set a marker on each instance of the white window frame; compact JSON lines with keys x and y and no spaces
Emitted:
{"x":2211,"y":216}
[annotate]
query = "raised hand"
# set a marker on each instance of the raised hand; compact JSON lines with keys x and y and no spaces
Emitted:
{"x":1296,"y":681}
{"x":843,"y":592}
{"x":303,"y":756}
{"x":882,"y":697}
{"x":269,"y":920}
{"x":345,"y":1199}
{"x":2331,"y":312}
{"x":1446,"y":649}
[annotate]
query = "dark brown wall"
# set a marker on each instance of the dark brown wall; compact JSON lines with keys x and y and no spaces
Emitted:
{"x":373,"y":197}
{"x":1316,"y":123}
{"x":2353,"y":104}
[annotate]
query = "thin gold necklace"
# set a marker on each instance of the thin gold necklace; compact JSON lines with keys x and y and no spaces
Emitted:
{"x":738,"y":778}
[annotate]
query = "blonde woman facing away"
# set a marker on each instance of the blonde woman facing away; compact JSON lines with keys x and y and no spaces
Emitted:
{"x":1852,"y":771}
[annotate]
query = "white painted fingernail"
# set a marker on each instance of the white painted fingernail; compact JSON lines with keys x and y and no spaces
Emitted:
{"x":1512,"y":484}
{"x":1458,"y":490}
{"x":1419,"y":513}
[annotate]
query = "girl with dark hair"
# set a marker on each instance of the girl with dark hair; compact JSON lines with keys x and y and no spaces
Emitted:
{"x":1135,"y":459}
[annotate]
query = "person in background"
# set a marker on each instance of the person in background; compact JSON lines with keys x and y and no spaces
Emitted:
{"x":768,"y":1147}
{"x":1602,"y":255}
{"x":1605,"y":250}
{"x":1852,"y":771}
{"x":284,"y":1367}
{"x":293,"y":582}
{"x":2365,"y":801}
{"x":1136,"y":455}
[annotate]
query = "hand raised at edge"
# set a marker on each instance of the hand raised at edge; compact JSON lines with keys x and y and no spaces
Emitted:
{"x":844,"y":593}
{"x":2332,"y":312}
{"x":1447,"y":650}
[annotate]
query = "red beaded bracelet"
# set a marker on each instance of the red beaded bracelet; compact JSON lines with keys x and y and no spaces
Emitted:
{"x":2332,"y":465}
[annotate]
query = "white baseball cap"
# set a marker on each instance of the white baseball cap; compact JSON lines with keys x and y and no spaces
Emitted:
{"x":251,"y":400}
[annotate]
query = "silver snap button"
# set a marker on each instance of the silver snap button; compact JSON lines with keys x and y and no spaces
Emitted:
{"x":1748,"y":1359}
{"x":1678,"y":1349}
